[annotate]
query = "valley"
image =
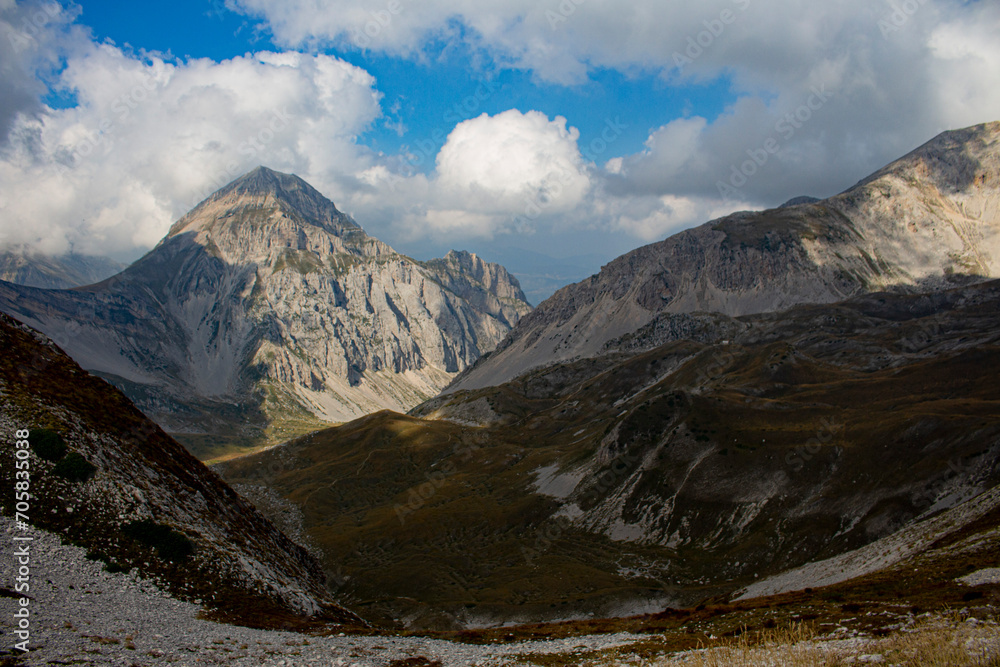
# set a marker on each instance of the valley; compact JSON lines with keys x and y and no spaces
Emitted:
{"x":285,"y":440}
{"x":660,"y":476}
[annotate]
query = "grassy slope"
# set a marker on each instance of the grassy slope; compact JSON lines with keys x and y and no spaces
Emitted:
{"x":435,"y":523}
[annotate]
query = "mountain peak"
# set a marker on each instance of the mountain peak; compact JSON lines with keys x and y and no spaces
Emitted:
{"x":953,"y":161}
{"x":280,"y":195}
{"x":264,"y":180}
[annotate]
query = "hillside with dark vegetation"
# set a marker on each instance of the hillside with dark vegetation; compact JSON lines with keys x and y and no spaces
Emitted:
{"x":694,"y":457}
{"x":104,"y":477}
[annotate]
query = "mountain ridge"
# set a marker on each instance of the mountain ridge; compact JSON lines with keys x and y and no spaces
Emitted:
{"x":65,"y":271}
{"x":926,"y":221}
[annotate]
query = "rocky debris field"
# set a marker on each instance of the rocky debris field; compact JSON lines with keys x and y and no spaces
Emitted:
{"x":82,"y":614}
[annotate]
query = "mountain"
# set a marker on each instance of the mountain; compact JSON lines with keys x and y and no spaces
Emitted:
{"x":55,"y":272}
{"x":102,"y":476}
{"x":929,"y":220}
{"x":695,"y":456}
{"x":267,"y":312}
{"x":541,"y":275}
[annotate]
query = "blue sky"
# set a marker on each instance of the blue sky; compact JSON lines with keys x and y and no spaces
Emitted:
{"x":422,"y":98}
{"x":570,"y":129}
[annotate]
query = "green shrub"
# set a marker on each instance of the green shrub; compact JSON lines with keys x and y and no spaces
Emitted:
{"x":169,"y":544}
{"x":117,"y":567}
{"x":47,"y":444}
{"x":75,"y":468}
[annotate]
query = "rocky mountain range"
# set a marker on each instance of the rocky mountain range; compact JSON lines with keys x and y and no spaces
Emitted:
{"x":763,"y":392}
{"x":928,"y":220}
{"x":266,"y":312}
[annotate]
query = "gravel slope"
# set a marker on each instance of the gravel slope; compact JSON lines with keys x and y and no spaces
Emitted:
{"x":82,"y":614}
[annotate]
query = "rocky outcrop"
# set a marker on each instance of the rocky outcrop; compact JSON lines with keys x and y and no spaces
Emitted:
{"x":265,"y":305}
{"x":927,"y":221}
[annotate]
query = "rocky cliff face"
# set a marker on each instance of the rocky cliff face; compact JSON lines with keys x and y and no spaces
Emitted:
{"x":267,"y":306}
{"x":926,"y":221}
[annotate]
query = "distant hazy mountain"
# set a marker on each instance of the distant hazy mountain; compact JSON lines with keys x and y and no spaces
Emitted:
{"x":798,"y":201}
{"x":540,"y":275}
{"x":105,"y":477}
{"x":927,"y":221}
{"x":59,"y":272}
{"x":265,"y":309}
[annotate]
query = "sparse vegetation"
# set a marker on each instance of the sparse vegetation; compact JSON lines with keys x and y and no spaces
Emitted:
{"x":935,"y":642}
{"x":74,"y":468}
{"x":169,"y":544}
{"x":47,"y":444}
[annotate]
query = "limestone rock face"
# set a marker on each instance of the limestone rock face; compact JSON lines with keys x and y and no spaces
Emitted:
{"x":265,"y":304}
{"x":929,"y":220}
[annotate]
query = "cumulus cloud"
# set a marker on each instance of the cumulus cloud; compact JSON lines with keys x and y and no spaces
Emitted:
{"x":512,"y":161}
{"x":148,"y":139}
{"x":822,"y":94}
{"x":512,"y":172}
{"x":899,"y":72}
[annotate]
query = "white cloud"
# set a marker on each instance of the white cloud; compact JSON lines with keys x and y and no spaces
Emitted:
{"x":653,"y":218}
{"x":967,"y":66}
{"x":512,"y":172}
{"x":513,"y":161}
{"x":150,"y":138}
{"x":900,"y":72}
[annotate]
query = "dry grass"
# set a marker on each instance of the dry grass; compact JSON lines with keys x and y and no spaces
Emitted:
{"x":937,"y":641}
{"x":791,"y":646}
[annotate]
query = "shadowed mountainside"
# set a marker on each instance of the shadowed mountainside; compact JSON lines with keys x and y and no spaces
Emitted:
{"x":105,"y":477}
